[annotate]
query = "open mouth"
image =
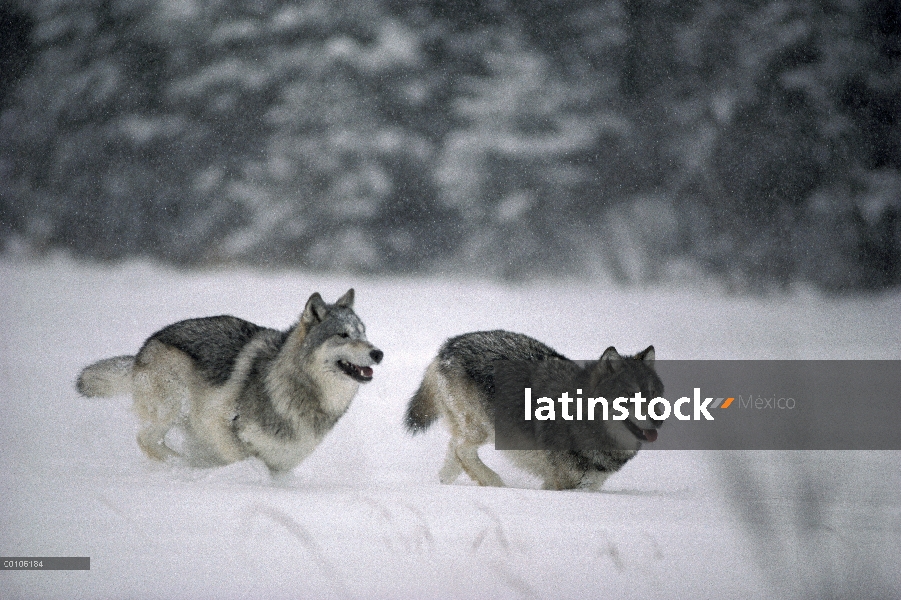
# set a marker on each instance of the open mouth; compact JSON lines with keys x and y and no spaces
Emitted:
{"x":361,"y":374}
{"x":645,"y":435}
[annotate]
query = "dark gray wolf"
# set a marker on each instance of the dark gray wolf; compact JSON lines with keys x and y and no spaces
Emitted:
{"x":459,"y":386}
{"x":242,"y":390}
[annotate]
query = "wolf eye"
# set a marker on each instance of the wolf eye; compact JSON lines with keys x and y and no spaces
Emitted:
{"x":344,"y":334}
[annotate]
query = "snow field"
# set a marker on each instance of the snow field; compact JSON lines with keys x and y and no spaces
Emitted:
{"x":365,"y":516}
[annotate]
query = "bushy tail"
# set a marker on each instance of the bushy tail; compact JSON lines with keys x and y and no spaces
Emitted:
{"x":422,"y":410}
{"x":106,"y":378}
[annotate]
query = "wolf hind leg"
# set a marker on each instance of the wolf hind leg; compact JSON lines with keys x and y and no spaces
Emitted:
{"x":152,"y":440}
{"x":470,"y":427}
{"x":452,"y":465}
{"x":162,"y":386}
{"x":468,"y":457}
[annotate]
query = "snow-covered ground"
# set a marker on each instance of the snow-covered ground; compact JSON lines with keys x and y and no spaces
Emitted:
{"x":365,"y":516}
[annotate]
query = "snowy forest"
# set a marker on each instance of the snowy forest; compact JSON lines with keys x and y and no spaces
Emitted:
{"x":755,"y":142}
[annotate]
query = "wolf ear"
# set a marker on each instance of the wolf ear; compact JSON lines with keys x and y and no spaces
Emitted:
{"x":347,"y":300}
{"x":647,"y":355}
{"x":611,"y":360}
{"x":314,"y":311}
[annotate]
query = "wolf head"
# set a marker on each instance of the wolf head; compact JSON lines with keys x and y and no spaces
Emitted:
{"x":615,"y":376}
{"x":334,"y":335}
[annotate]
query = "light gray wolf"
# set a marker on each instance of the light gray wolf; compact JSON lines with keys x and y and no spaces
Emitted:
{"x":240,"y":389}
{"x":459,"y":387}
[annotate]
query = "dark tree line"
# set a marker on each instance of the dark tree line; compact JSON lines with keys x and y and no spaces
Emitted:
{"x":757,"y":141}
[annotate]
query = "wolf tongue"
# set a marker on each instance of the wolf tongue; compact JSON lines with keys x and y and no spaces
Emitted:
{"x":366,"y":371}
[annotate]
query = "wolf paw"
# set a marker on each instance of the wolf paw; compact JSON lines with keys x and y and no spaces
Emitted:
{"x":492,"y":480}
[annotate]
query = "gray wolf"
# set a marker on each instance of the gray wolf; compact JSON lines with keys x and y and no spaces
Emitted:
{"x":458,"y":386}
{"x":240,"y":390}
